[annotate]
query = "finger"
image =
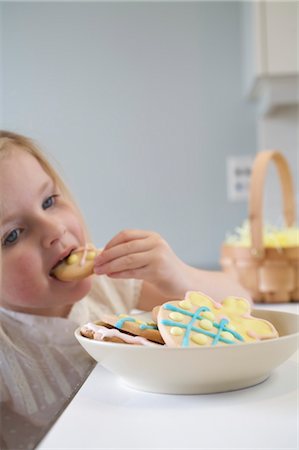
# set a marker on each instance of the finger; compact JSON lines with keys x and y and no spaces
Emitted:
{"x":125,"y":236}
{"x":127,"y":248}
{"x":124,"y":263}
{"x":137,"y":274}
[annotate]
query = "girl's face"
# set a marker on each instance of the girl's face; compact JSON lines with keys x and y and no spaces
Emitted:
{"x":39,"y":227}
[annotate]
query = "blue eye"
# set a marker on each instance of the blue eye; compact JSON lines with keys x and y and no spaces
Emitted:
{"x":12,"y":237}
{"x":50,"y":201}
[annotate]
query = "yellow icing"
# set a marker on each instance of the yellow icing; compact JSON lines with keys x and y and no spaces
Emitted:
{"x":91,"y":255}
{"x":178,"y":317}
{"x":260,"y":327}
{"x":206,"y":324}
{"x":185,"y":304}
{"x":236,"y":305}
{"x":208,"y":315}
{"x":227,"y":335}
{"x":176,"y":331}
{"x":141,"y":322}
{"x":198,"y":299}
{"x":72,"y":259}
{"x":199,"y":339}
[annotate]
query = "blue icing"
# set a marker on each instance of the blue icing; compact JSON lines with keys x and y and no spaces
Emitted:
{"x":233,"y":332}
{"x":196,"y":316}
{"x":142,"y":326}
{"x":217,"y":337}
{"x":120,"y":322}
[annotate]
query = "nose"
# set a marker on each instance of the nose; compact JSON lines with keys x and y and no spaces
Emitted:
{"x":52,"y":232}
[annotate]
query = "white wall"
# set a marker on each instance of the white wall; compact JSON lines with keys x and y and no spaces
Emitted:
{"x":140,"y":103}
{"x":271,"y":75}
{"x":280,"y":131}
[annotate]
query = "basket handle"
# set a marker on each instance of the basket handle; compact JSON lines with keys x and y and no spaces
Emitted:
{"x":258,"y":175}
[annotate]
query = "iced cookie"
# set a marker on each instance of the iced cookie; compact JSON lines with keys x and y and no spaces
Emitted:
{"x":78,"y":265}
{"x":198,"y":321}
{"x":136,"y":327}
{"x":103,"y":333}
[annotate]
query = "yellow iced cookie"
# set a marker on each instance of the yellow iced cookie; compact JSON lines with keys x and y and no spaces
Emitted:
{"x":204,"y":322}
{"x":78,"y":265}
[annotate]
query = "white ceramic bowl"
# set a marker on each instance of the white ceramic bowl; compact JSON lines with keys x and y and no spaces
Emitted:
{"x":198,"y":370}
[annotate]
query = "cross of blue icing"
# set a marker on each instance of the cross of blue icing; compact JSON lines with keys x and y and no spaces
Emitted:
{"x":222,"y":326}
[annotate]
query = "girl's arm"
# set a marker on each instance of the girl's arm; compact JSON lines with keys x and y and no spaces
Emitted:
{"x":145,"y":255}
{"x":215,"y":284}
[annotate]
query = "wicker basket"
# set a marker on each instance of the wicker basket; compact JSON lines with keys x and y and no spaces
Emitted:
{"x":271,"y":275}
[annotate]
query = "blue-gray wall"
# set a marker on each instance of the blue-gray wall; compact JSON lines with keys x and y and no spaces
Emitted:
{"x":140,"y":103}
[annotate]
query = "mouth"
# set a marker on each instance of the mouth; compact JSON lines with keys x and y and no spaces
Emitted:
{"x":61,"y":259}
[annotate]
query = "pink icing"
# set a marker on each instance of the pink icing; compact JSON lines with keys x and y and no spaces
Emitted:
{"x":217,"y":305}
{"x":85,"y":249}
{"x":253,"y":335}
{"x":102,"y":332}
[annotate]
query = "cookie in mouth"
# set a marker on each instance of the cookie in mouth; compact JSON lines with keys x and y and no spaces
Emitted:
{"x":77,"y":265}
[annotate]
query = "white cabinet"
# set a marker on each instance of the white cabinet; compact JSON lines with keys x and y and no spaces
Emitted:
{"x":271,"y":63}
{"x":271,"y":37}
{"x":279,"y":37}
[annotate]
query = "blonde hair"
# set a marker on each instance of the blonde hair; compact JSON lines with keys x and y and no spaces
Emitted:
{"x":12,"y":142}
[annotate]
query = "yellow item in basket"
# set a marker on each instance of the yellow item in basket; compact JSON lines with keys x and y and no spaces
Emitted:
{"x":273,"y":237}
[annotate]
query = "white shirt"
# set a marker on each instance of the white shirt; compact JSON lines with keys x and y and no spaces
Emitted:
{"x":37,"y":383}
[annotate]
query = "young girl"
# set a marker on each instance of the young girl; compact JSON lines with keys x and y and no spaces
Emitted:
{"x":42,"y":363}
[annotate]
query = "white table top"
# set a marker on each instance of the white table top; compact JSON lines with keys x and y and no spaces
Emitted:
{"x":105,"y":414}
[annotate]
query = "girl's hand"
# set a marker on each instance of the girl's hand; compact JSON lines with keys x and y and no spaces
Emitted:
{"x":143,"y":255}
